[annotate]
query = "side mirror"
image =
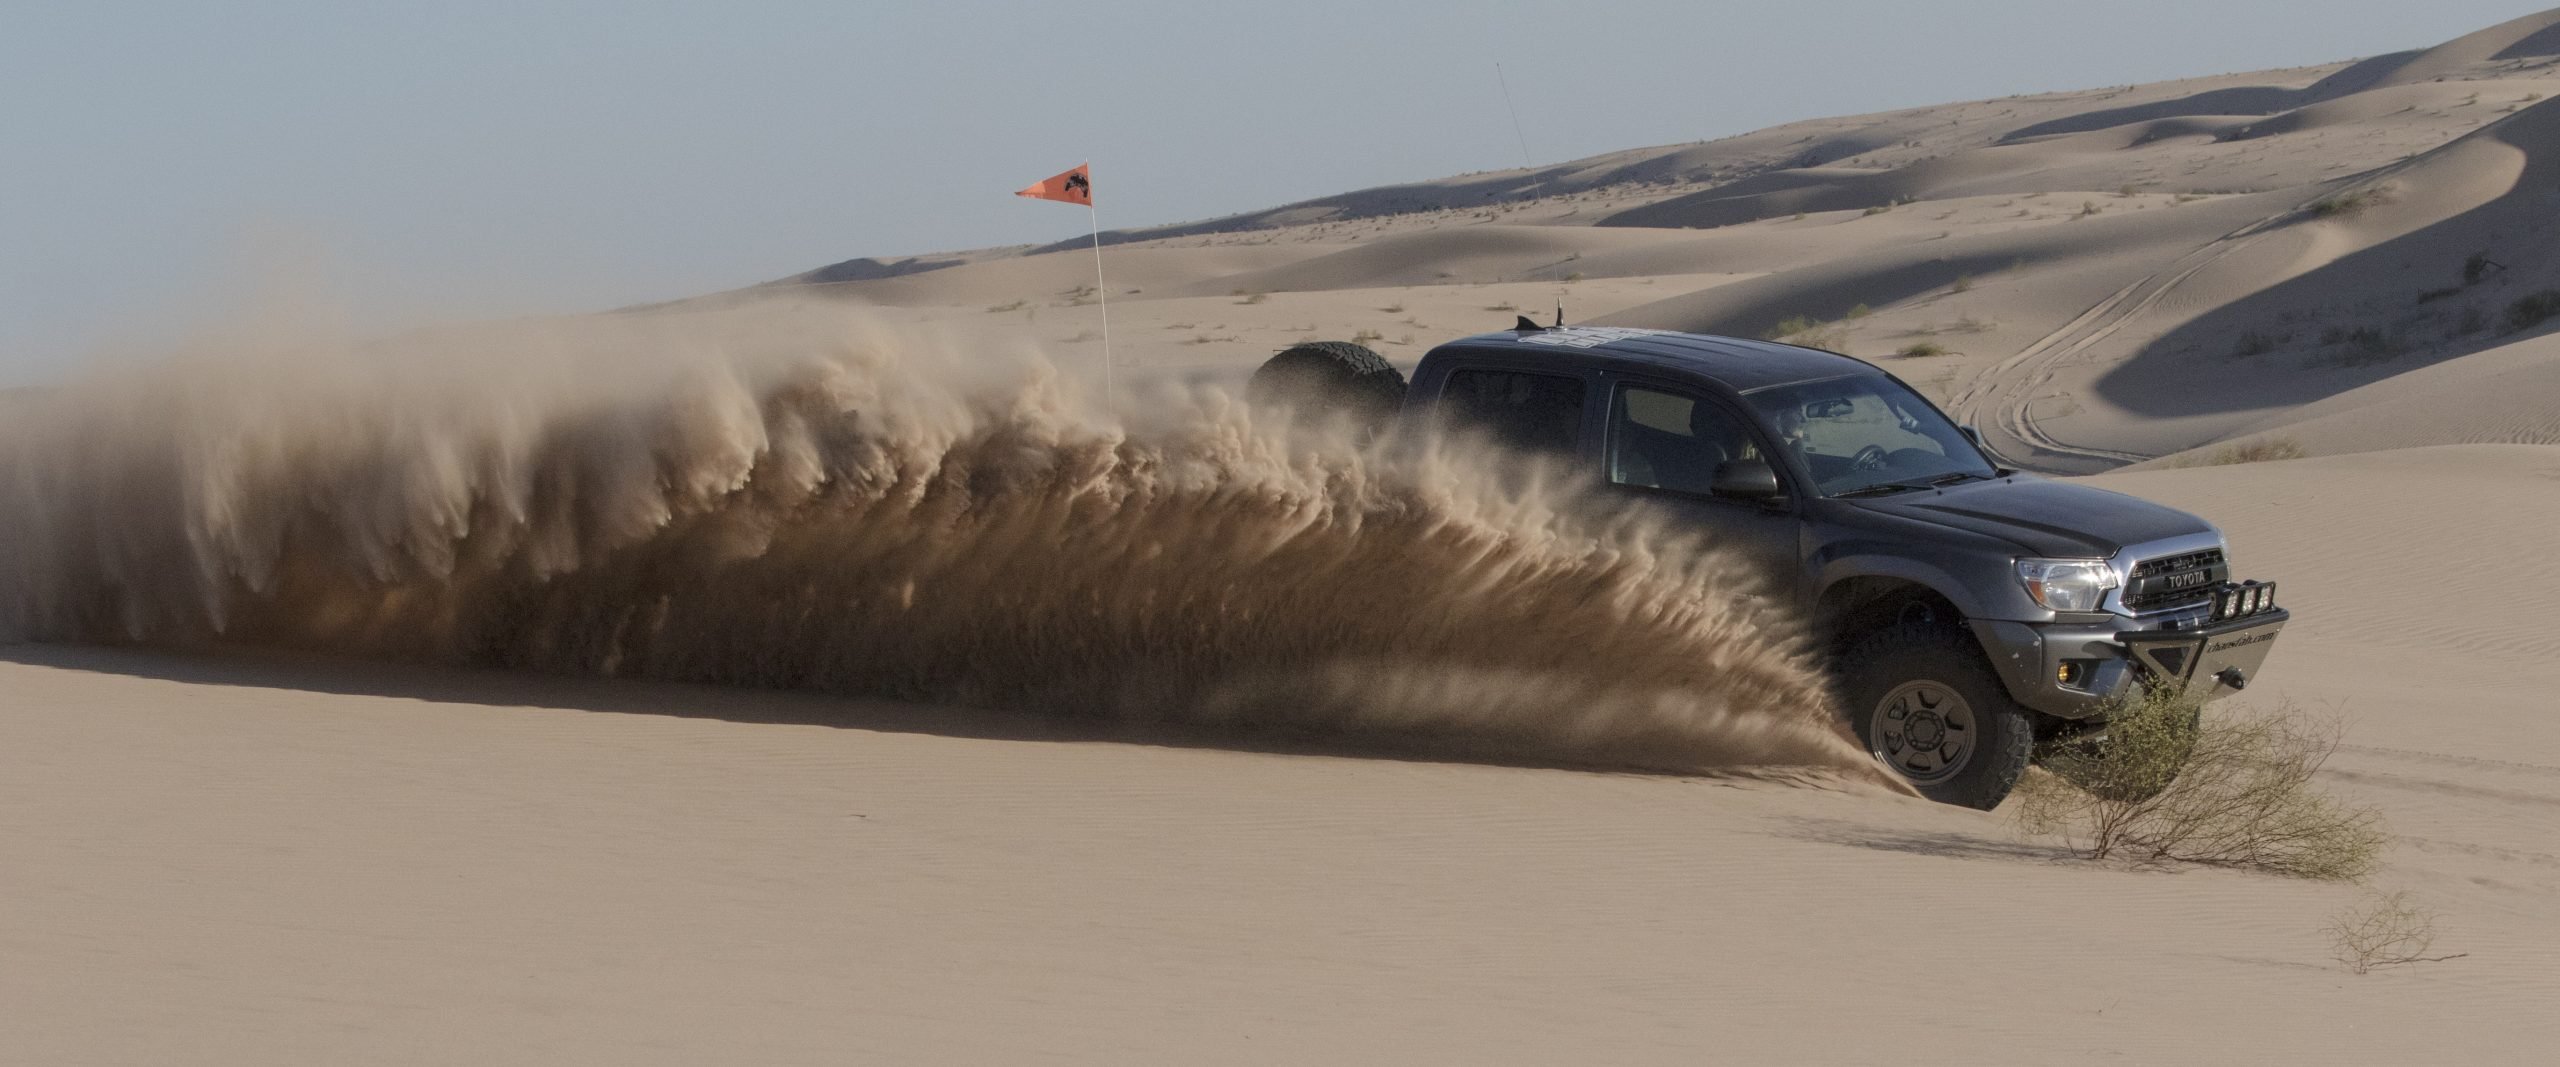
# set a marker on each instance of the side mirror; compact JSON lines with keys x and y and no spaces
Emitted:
{"x":1748,"y":479}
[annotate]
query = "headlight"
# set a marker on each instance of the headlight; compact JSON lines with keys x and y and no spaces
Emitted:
{"x":2067,"y":584}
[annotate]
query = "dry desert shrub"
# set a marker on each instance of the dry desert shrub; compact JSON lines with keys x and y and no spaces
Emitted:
{"x":2168,"y":786}
{"x":2254,"y":343}
{"x":2260,"y":450}
{"x":2533,"y":310}
{"x":1791,"y":326}
{"x":2384,"y":930}
{"x":2353,"y":202}
{"x":1808,"y":332}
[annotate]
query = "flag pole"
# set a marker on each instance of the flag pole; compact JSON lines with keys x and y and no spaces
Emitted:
{"x":1102,"y":293}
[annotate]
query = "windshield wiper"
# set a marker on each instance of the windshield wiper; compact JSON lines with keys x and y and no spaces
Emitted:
{"x":1881,"y":488}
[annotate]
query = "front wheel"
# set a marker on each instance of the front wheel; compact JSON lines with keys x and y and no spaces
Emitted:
{"x":1923,"y":701}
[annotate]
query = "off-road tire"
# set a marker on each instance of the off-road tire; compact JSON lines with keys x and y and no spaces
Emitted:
{"x":1884,"y":664}
{"x":1330,"y":379}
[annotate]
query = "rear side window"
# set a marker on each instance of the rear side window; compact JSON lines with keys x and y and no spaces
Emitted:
{"x":1528,"y":412}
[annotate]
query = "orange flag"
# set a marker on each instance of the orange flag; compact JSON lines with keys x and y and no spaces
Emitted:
{"x":1072,"y":187}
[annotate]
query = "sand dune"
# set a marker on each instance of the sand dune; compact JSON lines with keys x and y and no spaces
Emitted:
{"x":2113,"y":275}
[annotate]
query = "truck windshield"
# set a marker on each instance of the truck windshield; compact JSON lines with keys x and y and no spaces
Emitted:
{"x":1867,"y":433}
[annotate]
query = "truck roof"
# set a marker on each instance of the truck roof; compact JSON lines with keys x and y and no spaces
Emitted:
{"x":1737,"y":364}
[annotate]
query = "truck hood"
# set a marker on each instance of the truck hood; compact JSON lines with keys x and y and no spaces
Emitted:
{"x":2045,"y":518}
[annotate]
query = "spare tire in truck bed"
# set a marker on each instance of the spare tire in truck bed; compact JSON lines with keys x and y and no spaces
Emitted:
{"x":1323,"y":379}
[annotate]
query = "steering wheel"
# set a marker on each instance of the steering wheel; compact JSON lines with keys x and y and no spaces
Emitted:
{"x":1870,"y":458}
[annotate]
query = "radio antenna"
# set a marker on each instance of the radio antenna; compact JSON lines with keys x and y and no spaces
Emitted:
{"x":1556,"y":270}
{"x":1516,"y":129}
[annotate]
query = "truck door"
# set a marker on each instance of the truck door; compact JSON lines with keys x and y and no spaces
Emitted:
{"x":1666,"y":443}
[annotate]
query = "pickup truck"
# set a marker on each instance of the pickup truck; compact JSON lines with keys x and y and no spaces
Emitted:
{"x":1974,"y":616}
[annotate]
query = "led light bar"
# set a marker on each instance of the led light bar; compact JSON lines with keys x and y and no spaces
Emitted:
{"x":2243,"y":599}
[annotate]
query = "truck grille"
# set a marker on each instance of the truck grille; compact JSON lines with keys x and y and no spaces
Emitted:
{"x":2175,"y":581}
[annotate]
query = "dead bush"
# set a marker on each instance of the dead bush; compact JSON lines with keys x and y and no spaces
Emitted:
{"x":1808,"y":332}
{"x":2166,"y":785}
{"x":2256,"y":450}
{"x":2353,"y":202}
{"x":2384,"y":930}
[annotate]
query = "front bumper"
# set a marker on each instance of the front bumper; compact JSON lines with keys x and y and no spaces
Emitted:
{"x":2075,"y":671}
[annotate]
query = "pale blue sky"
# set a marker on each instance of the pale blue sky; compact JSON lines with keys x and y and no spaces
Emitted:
{"x":476,"y":158}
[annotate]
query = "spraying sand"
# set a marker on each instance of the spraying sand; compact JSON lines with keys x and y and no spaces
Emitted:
{"x":781,"y":496}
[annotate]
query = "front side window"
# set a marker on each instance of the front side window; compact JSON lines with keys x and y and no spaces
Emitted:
{"x":1671,"y":441}
{"x":1519,"y":410}
{"x":1868,"y":432}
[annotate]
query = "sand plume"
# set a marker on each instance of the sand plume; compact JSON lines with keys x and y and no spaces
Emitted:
{"x":777,"y":496}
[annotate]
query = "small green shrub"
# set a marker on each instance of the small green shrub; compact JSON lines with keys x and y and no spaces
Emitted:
{"x":1002,"y":308}
{"x":1922,"y":350}
{"x":1254,"y":298}
{"x":2170,"y":786}
{"x":2475,"y":268}
{"x":1367,"y":337}
{"x":1859,"y":312}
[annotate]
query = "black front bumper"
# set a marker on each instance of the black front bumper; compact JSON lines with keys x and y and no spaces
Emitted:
{"x":2210,"y":659}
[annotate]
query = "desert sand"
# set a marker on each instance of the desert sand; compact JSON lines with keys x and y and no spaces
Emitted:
{"x":265,"y":841}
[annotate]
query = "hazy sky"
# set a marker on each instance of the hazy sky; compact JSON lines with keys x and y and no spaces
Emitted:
{"x":476,"y":157}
